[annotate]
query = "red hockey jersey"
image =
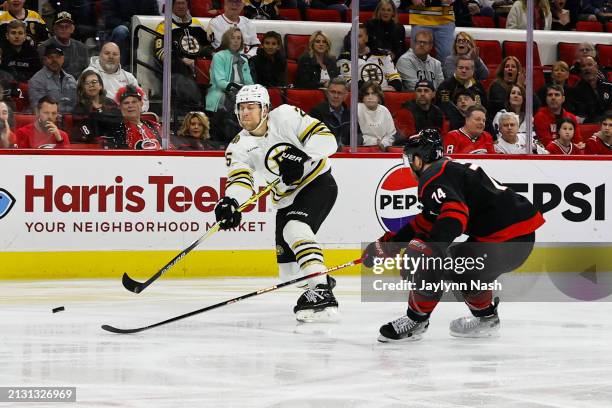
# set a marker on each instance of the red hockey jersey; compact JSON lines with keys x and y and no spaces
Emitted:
{"x":595,"y":145}
{"x":459,"y":141}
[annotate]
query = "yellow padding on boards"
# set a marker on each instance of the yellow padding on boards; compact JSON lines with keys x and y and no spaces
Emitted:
{"x":143,"y":264}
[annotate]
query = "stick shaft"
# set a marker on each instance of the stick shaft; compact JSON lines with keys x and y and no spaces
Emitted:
{"x":234,"y":300}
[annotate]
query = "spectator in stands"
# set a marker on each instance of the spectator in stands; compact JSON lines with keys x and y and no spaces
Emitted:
{"x":463,"y":15}
{"x":416,"y":64}
{"x":36,"y":28}
{"x":559,"y":75}
{"x":517,"y":17}
{"x":375,"y":120}
{"x":601,"y":142}
{"x":53,"y":81}
{"x":269,"y":66}
{"x":456,"y":111}
{"x":462,"y":79}
{"x":316,"y":67}
{"x":384,"y":32}
{"x":229,"y":71}
{"x":593,"y":10}
{"x":546,"y":118}
{"x":464,"y":45}
{"x":375,"y":65}
{"x":509,"y":73}
{"x":118,"y":19}
{"x":334,"y":112}
{"x":83,"y":11}
{"x":95,"y":114}
{"x":113,"y":75}
{"x":564,"y":145}
{"x":194,"y":133}
{"x":133,"y":132}
{"x":437,"y":17}
{"x":330,"y":5}
{"x":514,"y":103}
{"x":231,"y":18}
{"x":7,"y":137}
{"x":421,"y":112}
{"x":561,"y":19}
{"x":18,"y":58}
{"x":76,"y":55}
{"x":510,"y":140}
{"x":591,"y":97}
{"x":261,"y":9}
{"x":43,"y":133}
{"x":472,"y":138}
{"x":189,"y":42}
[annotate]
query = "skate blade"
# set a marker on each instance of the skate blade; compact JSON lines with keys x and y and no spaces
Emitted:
{"x":383,"y":339}
{"x":477,"y":335}
{"x":329,"y":314}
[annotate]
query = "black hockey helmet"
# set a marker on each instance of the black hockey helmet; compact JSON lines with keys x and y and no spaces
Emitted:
{"x":427,"y":144}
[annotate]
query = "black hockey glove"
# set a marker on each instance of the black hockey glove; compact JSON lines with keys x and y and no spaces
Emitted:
{"x":383,"y":247}
{"x":226,"y":213}
{"x":291,"y":166}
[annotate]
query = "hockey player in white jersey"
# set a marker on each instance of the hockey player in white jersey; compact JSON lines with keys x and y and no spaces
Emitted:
{"x":288,"y":143}
{"x":373,"y":65}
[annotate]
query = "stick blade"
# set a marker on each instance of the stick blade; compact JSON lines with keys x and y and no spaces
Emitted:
{"x":119,"y":331}
{"x":132,"y":285}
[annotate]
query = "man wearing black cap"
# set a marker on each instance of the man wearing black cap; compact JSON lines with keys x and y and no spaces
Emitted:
{"x":76,"y":56}
{"x":53,"y":81}
{"x":420,"y":113}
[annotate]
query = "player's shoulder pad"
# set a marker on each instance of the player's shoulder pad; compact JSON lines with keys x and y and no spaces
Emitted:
{"x":284,"y":112}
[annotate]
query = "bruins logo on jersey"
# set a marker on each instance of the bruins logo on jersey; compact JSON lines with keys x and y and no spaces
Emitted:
{"x":189,"y":45}
{"x":372,"y":72}
{"x":236,"y":139}
{"x":272,"y":159}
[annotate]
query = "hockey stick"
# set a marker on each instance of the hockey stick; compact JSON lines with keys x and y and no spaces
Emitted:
{"x":234,"y":300}
{"x":137,"y":287}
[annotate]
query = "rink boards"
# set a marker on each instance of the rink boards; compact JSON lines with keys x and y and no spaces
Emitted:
{"x":93,"y":216}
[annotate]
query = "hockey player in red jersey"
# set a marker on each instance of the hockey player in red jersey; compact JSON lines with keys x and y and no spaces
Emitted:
{"x":472,"y":137}
{"x":601,"y":141}
{"x":457,"y":199}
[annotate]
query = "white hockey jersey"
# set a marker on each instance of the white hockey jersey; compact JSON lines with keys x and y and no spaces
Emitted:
{"x":287,"y":125}
{"x":374,"y":66}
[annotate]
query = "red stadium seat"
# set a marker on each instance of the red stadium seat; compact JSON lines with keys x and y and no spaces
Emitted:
{"x":501,"y":22}
{"x":573,"y":80}
{"x":276,"y":97}
{"x":604,"y":55}
{"x":519,"y":50}
{"x":362,"y":149}
{"x":610,"y":76}
{"x":593,"y":26}
{"x":292,"y":68}
{"x":306,"y":99}
{"x":490,"y":51}
{"x":66,"y":119}
{"x":200,"y":8}
{"x":567,"y":52}
{"x":363,"y":16}
{"x":332,"y":16}
{"x":486,"y":83}
{"x":296,"y":45}
{"x":538,"y":78}
{"x":22,"y":119}
{"x":609,"y":26}
{"x":290,"y":14}
{"x":395,"y":149}
{"x":587,"y":129}
{"x":483,"y":22}
{"x":202,"y":67}
{"x":394,"y":100}
{"x":403,"y":18}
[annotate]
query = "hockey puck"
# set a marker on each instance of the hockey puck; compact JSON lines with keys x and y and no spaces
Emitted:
{"x":58,"y":309}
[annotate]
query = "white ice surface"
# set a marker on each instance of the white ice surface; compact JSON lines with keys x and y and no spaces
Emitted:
{"x":254,"y":354}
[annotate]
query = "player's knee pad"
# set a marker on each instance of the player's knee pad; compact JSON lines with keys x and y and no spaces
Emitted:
{"x":302,"y":241}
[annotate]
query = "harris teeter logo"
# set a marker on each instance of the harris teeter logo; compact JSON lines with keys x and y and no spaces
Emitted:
{"x":396,"y":200}
{"x":7,"y":201}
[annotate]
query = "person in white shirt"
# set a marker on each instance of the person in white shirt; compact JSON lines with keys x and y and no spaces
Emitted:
{"x":512,"y":142}
{"x":375,"y":120}
{"x":231,"y":18}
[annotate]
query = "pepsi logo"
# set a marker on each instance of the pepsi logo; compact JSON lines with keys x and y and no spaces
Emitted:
{"x":396,"y":198}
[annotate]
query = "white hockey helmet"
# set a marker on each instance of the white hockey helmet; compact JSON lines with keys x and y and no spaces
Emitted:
{"x":252,"y":93}
{"x":256,"y":94}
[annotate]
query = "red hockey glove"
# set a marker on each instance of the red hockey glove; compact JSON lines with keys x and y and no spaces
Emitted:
{"x":381,"y":248}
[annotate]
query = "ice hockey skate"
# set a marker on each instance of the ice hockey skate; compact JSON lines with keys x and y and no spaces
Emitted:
{"x":472,"y":326}
{"x":318,"y":304}
{"x":402,"y":329}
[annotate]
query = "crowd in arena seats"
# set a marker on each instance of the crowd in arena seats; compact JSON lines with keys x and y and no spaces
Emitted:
{"x":66,"y":77}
